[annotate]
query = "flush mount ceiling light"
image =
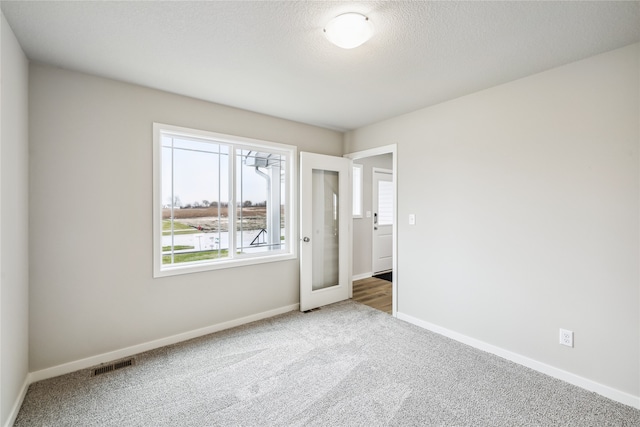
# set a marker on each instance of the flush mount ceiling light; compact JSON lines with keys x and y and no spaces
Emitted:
{"x":349,"y":30}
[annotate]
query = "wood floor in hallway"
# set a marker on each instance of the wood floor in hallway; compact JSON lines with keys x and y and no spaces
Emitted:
{"x":373,"y":292}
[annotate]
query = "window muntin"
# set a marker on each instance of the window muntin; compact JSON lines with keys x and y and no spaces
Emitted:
{"x":220,"y":201}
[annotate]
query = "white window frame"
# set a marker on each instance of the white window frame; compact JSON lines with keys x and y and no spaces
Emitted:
{"x":358,"y":189}
{"x":237,"y":142}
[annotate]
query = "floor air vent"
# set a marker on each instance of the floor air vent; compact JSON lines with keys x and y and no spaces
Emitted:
{"x":112,"y":367}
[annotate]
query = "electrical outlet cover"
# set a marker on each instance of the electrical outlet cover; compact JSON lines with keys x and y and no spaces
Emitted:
{"x":566,"y":337}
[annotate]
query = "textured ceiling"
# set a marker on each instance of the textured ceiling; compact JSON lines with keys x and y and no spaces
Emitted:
{"x":271,"y":56}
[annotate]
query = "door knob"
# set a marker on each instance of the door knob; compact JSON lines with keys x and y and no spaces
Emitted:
{"x":306,"y":239}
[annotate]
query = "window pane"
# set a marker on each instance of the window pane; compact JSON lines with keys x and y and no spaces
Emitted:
{"x":357,"y":190}
{"x":260,"y":200}
{"x":196,"y":195}
{"x":385,"y":203}
{"x":221,"y":201}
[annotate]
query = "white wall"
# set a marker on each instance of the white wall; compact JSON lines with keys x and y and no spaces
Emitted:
{"x":362,"y":227}
{"x":91,"y":210}
{"x":14,"y":233}
{"x":527,"y":204}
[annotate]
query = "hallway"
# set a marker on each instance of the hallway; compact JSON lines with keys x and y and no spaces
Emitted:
{"x":373,"y":292}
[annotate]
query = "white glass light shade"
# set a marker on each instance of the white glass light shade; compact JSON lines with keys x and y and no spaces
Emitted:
{"x":349,"y":30}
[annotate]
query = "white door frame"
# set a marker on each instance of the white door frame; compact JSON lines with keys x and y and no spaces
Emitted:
{"x":393,"y":150}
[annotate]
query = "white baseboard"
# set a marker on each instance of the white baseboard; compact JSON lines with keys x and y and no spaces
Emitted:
{"x":361,"y":276}
{"x":18,"y":403}
{"x":604,"y":390}
{"x":151,"y":345}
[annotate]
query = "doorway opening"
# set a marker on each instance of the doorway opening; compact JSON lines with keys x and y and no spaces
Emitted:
{"x":374,"y":228}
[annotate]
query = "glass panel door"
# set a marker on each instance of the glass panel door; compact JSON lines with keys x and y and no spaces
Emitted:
{"x":325,"y":211}
{"x":325,"y":220}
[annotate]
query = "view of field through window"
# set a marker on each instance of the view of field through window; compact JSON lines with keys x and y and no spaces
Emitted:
{"x":200,"y":220}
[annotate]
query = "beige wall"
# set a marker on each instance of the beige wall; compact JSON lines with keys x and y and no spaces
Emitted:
{"x":14,"y":233}
{"x":362,"y":227}
{"x":92,"y":289}
{"x":526,"y":198}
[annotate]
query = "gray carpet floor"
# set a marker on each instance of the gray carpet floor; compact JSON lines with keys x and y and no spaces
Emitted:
{"x":346,"y":364}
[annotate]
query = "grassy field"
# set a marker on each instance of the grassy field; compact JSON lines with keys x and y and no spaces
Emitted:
{"x":176,"y":248}
{"x":195,"y":256}
{"x":178,"y":228}
{"x":253,"y":211}
{"x":205,"y":220}
{"x":196,"y":220}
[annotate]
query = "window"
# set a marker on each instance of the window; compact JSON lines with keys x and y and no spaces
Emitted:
{"x":357,"y":190}
{"x":220,"y":201}
{"x":385,"y":202}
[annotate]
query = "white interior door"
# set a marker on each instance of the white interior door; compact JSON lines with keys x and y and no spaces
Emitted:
{"x":325,"y":209}
{"x":382,"y":220}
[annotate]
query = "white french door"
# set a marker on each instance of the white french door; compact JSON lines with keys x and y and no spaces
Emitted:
{"x":325,"y":214}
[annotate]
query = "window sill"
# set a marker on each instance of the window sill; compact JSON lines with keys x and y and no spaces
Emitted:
{"x":199,"y":267}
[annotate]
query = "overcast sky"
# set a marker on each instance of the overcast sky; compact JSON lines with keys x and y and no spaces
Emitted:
{"x":196,"y":167}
